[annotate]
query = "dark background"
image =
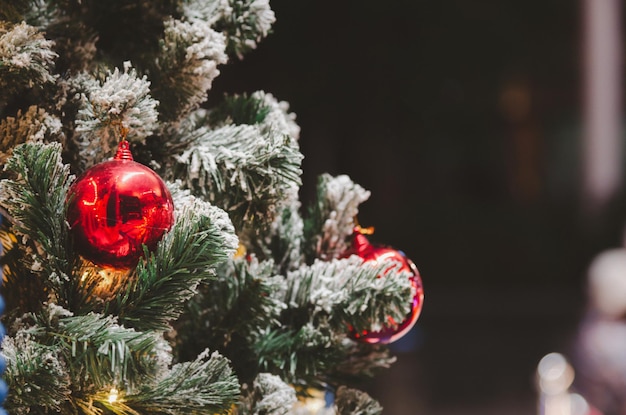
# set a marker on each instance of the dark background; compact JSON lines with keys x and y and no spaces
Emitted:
{"x":464,"y":120}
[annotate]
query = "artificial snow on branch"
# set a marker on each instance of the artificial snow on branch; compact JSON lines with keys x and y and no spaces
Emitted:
{"x":241,"y":170}
{"x":206,"y":385}
{"x":39,"y":13}
{"x":122,"y":100}
{"x":201,"y":238}
{"x":186,"y":67}
{"x":232,"y":312}
{"x":209,"y":11}
{"x":322,"y":303}
{"x":87,"y":353}
{"x":35,"y":199}
{"x":249,"y":22}
{"x":38,"y":380}
{"x":331,"y":218}
{"x":349,"y":292}
{"x":244,"y":22}
{"x":268,"y":395}
{"x":300,"y":355}
{"x":26,"y":59}
{"x":258,"y":108}
{"x":241,"y":271}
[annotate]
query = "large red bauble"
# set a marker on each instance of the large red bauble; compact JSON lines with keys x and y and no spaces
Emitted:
{"x":379,"y":254}
{"x":117,"y":206}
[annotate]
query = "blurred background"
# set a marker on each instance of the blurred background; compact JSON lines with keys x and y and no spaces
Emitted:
{"x":466,"y":120}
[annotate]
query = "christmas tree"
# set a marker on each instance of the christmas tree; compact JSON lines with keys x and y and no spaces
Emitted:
{"x":183,"y":276}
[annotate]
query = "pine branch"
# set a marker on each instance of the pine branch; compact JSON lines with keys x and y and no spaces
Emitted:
{"x":72,"y":98}
{"x":278,"y":118}
{"x":22,"y":289}
{"x":241,"y":170}
{"x":26,"y":59}
{"x":297,"y":355}
{"x":331,"y":218}
{"x":231,"y":313}
{"x":355,"y":402}
{"x":239,"y":301}
{"x":361,"y":360}
{"x":350,"y":292}
{"x":13,"y":10}
{"x":283,"y":241}
{"x":259,"y":108}
{"x":248,"y":23}
{"x":268,"y":395}
{"x":99,"y":352}
{"x":75,"y":41}
{"x":38,"y":379}
{"x":122,"y":99}
{"x":187,"y":64}
{"x":160,"y":150}
{"x":201,"y":238}
{"x":238,"y":110}
{"x":209,"y":11}
{"x":324,"y":300}
{"x":68,"y":358}
{"x":36,"y":202}
{"x":204,"y":386}
{"x":39,"y":13}
{"x":244,"y":22}
{"x":34,"y":125}
{"x":267,"y":311}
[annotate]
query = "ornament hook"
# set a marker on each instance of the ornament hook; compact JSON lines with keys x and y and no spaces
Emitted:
{"x":123,"y":151}
{"x":122,"y":129}
{"x":123,"y":148}
{"x":361,"y":230}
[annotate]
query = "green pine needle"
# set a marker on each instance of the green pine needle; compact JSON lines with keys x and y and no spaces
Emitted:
{"x":231,"y":314}
{"x":168,"y":277}
{"x":206,"y":385}
{"x":98,"y":351}
{"x":238,"y":110}
{"x":242,"y":170}
{"x":35,"y":200}
{"x":38,"y":380}
{"x":247,"y":24}
{"x":350,"y":292}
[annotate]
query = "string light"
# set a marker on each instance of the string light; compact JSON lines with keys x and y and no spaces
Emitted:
{"x":315,"y":403}
{"x":113,"y":394}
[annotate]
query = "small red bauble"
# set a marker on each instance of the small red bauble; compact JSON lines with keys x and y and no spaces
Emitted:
{"x":379,"y":254}
{"x":117,"y":206}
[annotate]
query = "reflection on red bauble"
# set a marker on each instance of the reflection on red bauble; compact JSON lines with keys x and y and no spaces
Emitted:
{"x":380,"y":254}
{"x":117,"y":206}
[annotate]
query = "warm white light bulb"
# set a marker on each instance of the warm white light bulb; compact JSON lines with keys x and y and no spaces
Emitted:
{"x":113,"y":394}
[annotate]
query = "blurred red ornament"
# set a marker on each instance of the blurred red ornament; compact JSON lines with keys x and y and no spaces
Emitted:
{"x":117,"y":206}
{"x":380,"y":254}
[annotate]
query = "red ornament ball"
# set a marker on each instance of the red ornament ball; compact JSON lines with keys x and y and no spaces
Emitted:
{"x":117,"y":206}
{"x":380,"y":254}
